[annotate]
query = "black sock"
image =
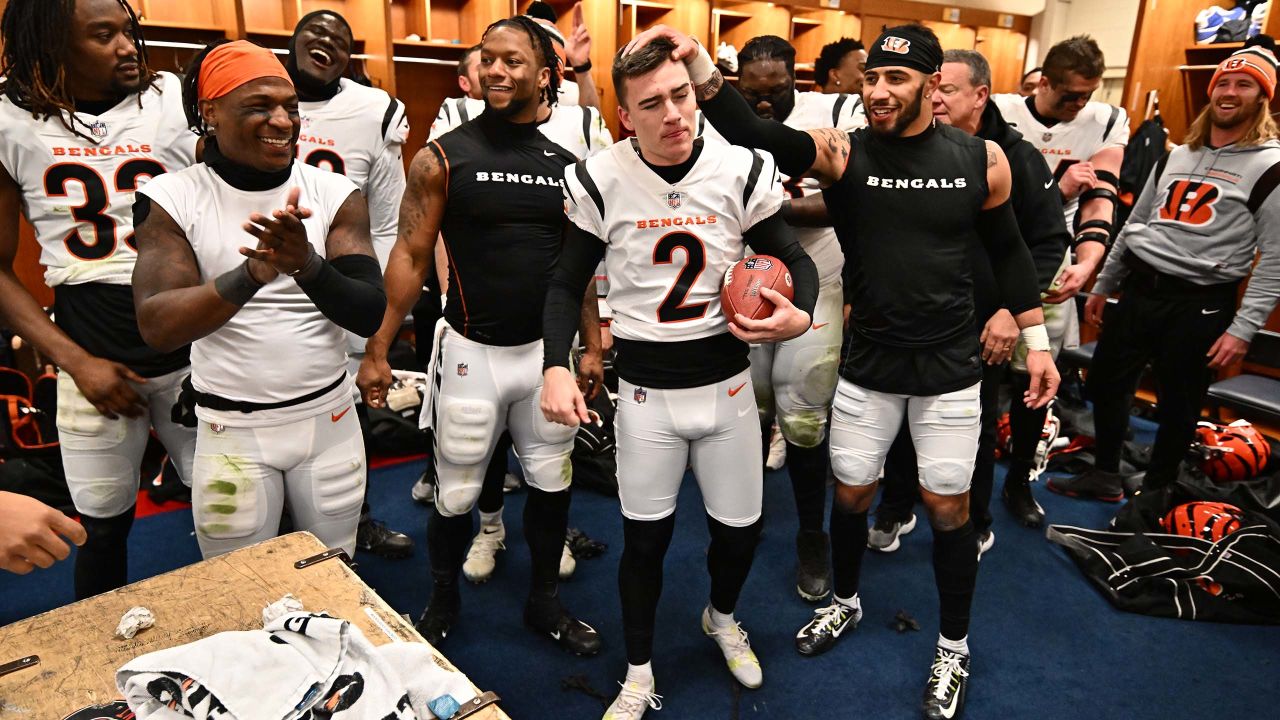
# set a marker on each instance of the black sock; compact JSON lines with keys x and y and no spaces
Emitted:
{"x":729,"y":561}
{"x":808,"y":470}
{"x":102,"y":563}
{"x":546,"y":519}
{"x":491,"y":499}
{"x":447,"y":539}
{"x":848,"y":544}
{"x":955,"y":568}
{"x":640,"y":581}
{"x":1025,"y":428}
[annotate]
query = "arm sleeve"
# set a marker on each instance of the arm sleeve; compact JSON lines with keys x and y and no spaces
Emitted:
{"x":347,"y":290}
{"x":1114,"y":270}
{"x":1038,"y":207}
{"x":1010,"y":259}
{"x":735,"y":120}
{"x":383,"y":191}
{"x":579,"y":256}
{"x":1264,"y":284}
{"x":773,"y":236}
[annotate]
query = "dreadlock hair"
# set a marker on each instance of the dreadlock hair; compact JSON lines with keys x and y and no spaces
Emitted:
{"x":542,"y":48}
{"x":768,"y":47}
{"x":191,"y":89}
{"x":34,"y":63}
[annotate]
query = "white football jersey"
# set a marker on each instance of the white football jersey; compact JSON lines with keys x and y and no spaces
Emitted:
{"x":338,"y":135}
{"x":580,"y":129}
{"x":77,"y":192}
{"x":278,"y":346}
{"x":669,"y":246}
{"x":1098,"y":127}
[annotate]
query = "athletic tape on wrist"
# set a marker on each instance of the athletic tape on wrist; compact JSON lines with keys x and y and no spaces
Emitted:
{"x":1036,"y":337}
{"x":701,"y":67}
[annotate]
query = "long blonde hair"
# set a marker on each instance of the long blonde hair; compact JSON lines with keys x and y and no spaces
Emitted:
{"x":1263,"y":128}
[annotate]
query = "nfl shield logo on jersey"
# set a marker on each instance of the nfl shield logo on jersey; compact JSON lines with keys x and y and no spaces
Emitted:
{"x":462,"y":369}
{"x":98,"y":129}
{"x":641,"y":395}
{"x":675,"y":199}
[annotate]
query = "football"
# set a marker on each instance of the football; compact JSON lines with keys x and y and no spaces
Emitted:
{"x":742,"y":283}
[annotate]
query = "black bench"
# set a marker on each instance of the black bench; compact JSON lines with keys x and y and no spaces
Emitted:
{"x":1257,"y":397}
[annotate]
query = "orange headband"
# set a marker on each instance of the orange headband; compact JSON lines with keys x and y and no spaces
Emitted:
{"x":229,"y":66}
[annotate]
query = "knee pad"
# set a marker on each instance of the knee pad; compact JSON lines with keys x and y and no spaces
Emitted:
{"x":804,"y":396}
{"x":855,"y":468}
{"x":457,"y":499}
{"x":464,"y":429}
{"x":549,"y":474}
{"x":231,"y":503}
{"x":945,"y":477}
{"x":101,"y":485}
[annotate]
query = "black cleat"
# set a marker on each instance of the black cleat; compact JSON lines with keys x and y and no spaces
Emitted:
{"x":375,"y":537}
{"x":945,"y":691}
{"x":813,"y":573}
{"x":549,"y":617}
{"x":827,"y":625}
{"x":1093,"y":484}
{"x":1022,"y":504}
{"x":436,"y":622}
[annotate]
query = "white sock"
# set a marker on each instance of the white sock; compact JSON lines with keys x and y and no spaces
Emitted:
{"x":853,"y":602}
{"x":641,"y":675}
{"x":490,"y":522}
{"x":720,"y":620}
{"x":959,"y":646}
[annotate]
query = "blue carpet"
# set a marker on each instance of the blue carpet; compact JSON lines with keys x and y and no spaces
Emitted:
{"x":1045,"y":643}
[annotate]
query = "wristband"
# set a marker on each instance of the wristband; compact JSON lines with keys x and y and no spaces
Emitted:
{"x":310,"y":268}
{"x":1036,"y":338}
{"x":584,"y":67}
{"x":237,"y":285}
{"x":701,"y":67}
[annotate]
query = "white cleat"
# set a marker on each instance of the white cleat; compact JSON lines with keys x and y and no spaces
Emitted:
{"x":632,"y":702}
{"x":568,"y":563}
{"x":424,"y":490}
{"x":737,"y":651}
{"x":482,"y":556}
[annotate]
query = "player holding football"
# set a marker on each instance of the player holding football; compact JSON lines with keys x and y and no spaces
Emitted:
{"x":669,"y":215}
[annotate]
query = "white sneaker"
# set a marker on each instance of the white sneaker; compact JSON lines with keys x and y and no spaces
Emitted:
{"x":777,"y":450}
{"x":986,"y":541}
{"x":737,"y":651}
{"x":511,"y":483}
{"x":482,"y":556}
{"x":568,"y":563}
{"x":424,"y":491}
{"x":632,"y":702}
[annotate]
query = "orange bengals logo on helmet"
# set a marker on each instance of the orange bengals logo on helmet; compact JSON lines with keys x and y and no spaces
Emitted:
{"x":895,"y":44}
{"x":1190,"y":202}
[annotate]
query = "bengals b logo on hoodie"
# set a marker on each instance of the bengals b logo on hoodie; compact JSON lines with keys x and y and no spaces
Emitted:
{"x":1190,"y":202}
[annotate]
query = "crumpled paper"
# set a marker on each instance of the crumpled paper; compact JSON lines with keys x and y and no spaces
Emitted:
{"x":138,"y":618}
{"x":283,"y":606}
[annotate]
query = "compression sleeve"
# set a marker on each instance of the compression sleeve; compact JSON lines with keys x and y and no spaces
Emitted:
{"x":576,"y":267}
{"x":772,"y":236}
{"x":1011,"y":262}
{"x":347,"y":290}
{"x":733,"y":118}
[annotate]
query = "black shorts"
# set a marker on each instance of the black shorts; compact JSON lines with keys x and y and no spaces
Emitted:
{"x":934,"y":370}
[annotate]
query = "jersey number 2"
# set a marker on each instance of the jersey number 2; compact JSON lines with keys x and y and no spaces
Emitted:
{"x":93,"y":212}
{"x":673,"y":308}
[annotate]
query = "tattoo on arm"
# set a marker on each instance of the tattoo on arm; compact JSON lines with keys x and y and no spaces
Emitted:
{"x":991,"y":157}
{"x":708,"y":89}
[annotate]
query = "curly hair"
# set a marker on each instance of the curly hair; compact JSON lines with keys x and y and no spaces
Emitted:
{"x":541,"y":41}
{"x":191,"y":89}
{"x":34,"y":64}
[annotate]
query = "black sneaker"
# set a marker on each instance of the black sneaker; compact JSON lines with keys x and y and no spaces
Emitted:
{"x":813,"y":573}
{"x":827,"y":625}
{"x":549,"y":617}
{"x":886,"y":533}
{"x":436,"y":622}
{"x":945,"y":691}
{"x":1022,"y":504}
{"x":1092,"y":484}
{"x":375,"y":537}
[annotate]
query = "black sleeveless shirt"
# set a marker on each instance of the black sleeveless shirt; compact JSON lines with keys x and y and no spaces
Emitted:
{"x":503,"y":226}
{"x":905,"y":212}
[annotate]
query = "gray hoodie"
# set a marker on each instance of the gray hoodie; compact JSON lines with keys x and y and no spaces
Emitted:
{"x":1203,"y":220}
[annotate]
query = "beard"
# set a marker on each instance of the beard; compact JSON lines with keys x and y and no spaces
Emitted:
{"x":517,"y":105}
{"x":906,"y":116}
{"x":1241,"y":117}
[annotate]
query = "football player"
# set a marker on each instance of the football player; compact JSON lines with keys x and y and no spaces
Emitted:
{"x":86,"y":122}
{"x":337,"y":136}
{"x":267,"y":324}
{"x":795,"y":380}
{"x":669,"y":215}
{"x":491,"y":191}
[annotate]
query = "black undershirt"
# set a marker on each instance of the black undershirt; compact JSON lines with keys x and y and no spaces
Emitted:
{"x":242,"y":177}
{"x":97,"y":107}
{"x":672,"y":174}
{"x":1045,"y":121}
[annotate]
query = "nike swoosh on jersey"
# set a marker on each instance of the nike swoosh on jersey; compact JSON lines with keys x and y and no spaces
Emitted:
{"x":548,"y":154}
{"x":734,"y":391}
{"x":1048,"y":184}
{"x":556,"y":634}
{"x":1210,"y":312}
{"x":819,"y":326}
{"x":336,"y":418}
